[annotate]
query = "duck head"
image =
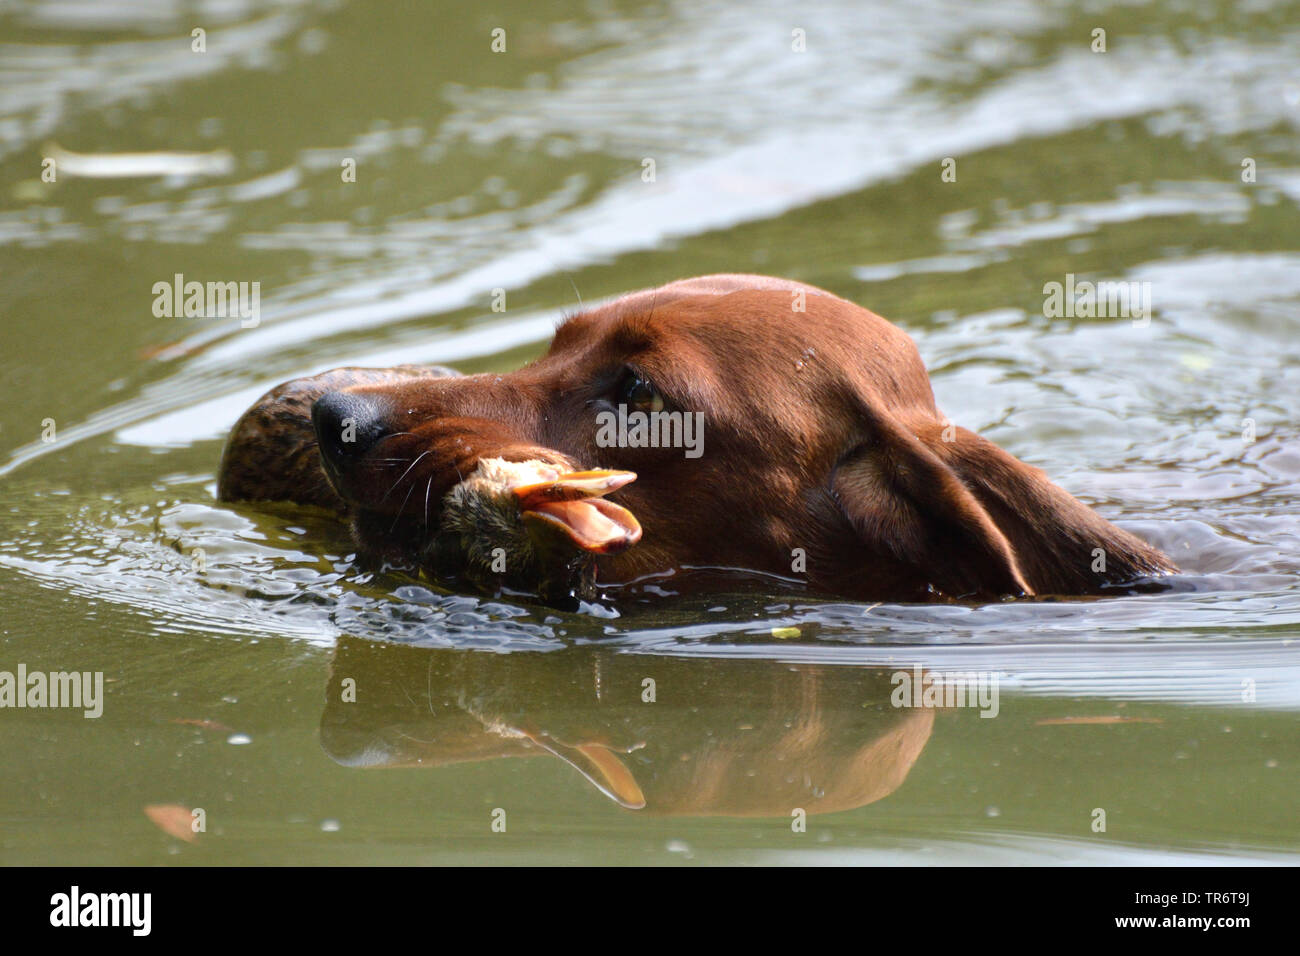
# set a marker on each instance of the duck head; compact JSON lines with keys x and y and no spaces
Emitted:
{"x":531,"y":525}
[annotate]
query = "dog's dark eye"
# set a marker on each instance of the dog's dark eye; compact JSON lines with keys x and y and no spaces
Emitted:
{"x":638,"y":393}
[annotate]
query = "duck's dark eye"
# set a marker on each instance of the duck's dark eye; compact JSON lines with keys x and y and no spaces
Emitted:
{"x":638,"y":393}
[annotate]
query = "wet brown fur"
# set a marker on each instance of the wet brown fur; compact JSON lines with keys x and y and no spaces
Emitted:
{"x":820,"y":434}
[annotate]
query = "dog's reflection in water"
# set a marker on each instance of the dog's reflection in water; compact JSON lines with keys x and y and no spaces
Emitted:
{"x":703,"y":737}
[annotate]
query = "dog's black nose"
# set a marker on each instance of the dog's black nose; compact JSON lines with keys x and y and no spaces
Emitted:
{"x":347,"y":425}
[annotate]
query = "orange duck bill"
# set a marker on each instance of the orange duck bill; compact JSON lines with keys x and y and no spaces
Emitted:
{"x":572,"y":504}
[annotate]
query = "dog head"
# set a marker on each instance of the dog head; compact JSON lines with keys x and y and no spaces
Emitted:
{"x":782,"y":430}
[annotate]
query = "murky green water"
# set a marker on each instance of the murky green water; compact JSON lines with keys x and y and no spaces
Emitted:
{"x":230,"y":682}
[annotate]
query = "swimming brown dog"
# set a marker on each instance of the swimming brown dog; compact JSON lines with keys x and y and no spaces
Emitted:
{"x":807,"y":445}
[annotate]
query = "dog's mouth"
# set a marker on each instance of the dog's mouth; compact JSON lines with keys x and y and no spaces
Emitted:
{"x":525,"y":517}
{"x":531,"y":526}
{"x":534,"y":526}
{"x":572,"y":505}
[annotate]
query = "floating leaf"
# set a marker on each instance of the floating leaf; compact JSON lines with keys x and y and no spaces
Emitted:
{"x":1098,"y":719}
{"x":205,"y":724}
{"x":173,"y":819}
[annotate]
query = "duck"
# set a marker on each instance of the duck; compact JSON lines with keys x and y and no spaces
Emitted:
{"x":533,"y":526}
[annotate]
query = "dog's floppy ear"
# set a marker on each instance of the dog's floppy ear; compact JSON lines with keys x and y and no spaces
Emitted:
{"x":903,"y":501}
{"x":1063,"y":546}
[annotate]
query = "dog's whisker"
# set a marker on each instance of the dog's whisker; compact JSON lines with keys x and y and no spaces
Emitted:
{"x":398,"y":516}
{"x":575,"y":290}
{"x":394,"y":435}
{"x":420,"y":458}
